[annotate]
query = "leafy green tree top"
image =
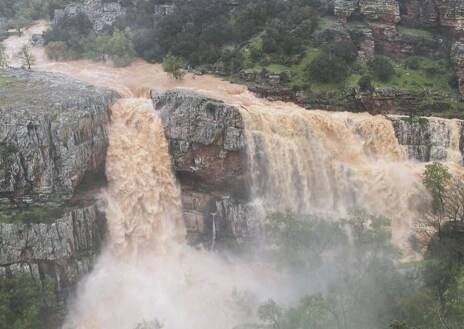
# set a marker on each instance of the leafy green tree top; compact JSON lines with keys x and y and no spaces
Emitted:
{"x":381,"y":67}
{"x":436,"y":178}
{"x":26,"y":56}
{"x":174,"y":65}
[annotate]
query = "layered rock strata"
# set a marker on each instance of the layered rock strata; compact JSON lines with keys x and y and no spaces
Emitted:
{"x":53,"y":134}
{"x":207,"y":145}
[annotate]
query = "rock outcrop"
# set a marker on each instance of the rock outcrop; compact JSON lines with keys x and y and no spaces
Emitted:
{"x":99,"y":13}
{"x":53,"y":143}
{"x":457,"y":55}
{"x":62,"y":248}
{"x":430,"y":139}
{"x":53,"y":134}
{"x":208,"y":148}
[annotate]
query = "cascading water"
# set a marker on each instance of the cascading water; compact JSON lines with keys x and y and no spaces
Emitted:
{"x":143,"y":202}
{"x":327,"y":162}
{"x":148,"y":271}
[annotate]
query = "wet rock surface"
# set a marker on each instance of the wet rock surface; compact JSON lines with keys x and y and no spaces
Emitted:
{"x":208,"y":148}
{"x":431,"y":139}
{"x":53,"y":134}
{"x":53,"y":143}
{"x":100,"y":13}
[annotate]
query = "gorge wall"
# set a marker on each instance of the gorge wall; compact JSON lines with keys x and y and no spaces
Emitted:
{"x":53,"y":142}
{"x":208,"y":147}
{"x":54,"y":150}
{"x":225,"y":156}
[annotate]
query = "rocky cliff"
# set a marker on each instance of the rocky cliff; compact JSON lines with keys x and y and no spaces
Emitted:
{"x":430,"y":139}
{"x":53,"y":145}
{"x":207,"y":144}
{"x":208,"y":147}
{"x":53,"y":134}
{"x":100,"y":13}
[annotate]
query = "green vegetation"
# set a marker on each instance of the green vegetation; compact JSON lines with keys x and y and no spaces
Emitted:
{"x":74,"y":38}
{"x":381,"y":68}
{"x":26,"y":57}
{"x":275,"y":37}
{"x":174,"y":65}
{"x":3,"y":81}
{"x":367,"y":286}
{"x":415,"y":33}
{"x":23,"y":300}
{"x":31,"y":214}
{"x":3,"y":61}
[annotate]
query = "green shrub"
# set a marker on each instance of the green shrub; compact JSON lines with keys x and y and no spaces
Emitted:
{"x":412,"y":62}
{"x":365,"y":83}
{"x":325,"y":70}
{"x":381,"y":67}
{"x":345,"y":50}
{"x":22,"y":300}
{"x":57,"y":50}
{"x":174,"y":65}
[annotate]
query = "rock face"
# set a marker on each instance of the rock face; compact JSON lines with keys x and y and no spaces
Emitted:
{"x":53,"y":143}
{"x":50,"y":143}
{"x":208,"y":147}
{"x":63,"y":249}
{"x":457,"y":55}
{"x":382,"y":18}
{"x":431,"y":139}
{"x":100,"y":13}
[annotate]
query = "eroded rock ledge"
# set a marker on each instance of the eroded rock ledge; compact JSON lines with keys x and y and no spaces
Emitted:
{"x":53,"y":142}
{"x":53,"y":134}
{"x":208,"y":148}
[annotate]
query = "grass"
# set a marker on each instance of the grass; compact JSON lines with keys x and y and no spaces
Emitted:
{"x":3,"y":81}
{"x":326,"y":22}
{"x":32,"y":214}
{"x":431,"y":74}
{"x":416,"y":33}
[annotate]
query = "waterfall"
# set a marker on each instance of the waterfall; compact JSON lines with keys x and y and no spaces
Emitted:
{"x":148,"y":271}
{"x":330,"y":162}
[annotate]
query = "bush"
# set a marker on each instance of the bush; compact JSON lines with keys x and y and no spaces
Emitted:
{"x":57,"y":50}
{"x":381,"y":67}
{"x":22,"y":300}
{"x":365,"y":83}
{"x":121,"y":48}
{"x":325,"y":70}
{"x":345,"y":50}
{"x":174,"y":65}
{"x":453,"y":81}
{"x":412,"y":63}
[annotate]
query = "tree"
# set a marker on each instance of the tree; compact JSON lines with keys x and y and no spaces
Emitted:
{"x":22,"y":300}
{"x":3,"y":61}
{"x":325,"y":70}
{"x":311,"y":313}
{"x":26,"y":56}
{"x":120,"y":47}
{"x":154,"y":324}
{"x":381,"y":67}
{"x":345,"y":50}
{"x":436,"y":179}
{"x":174,"y":65}
{"x":271,"y":314}
{"x":365,"y":83}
